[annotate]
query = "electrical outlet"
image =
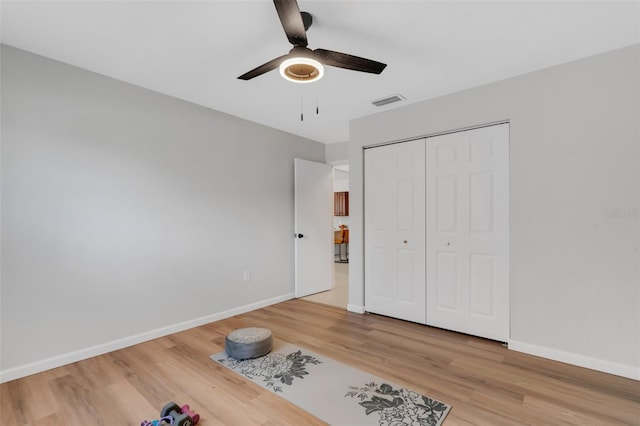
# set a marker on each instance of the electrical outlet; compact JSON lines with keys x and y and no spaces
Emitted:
{"x":246,"y":276}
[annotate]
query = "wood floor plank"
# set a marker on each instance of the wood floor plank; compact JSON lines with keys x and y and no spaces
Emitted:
{"x":133,"y":406}
{"x":42,"y":401}
{"x":55,"y":419}
{"x":11,"y":403}
{"x":485,"y":383}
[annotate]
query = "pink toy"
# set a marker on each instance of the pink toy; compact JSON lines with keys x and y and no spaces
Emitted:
{"x":194,"y":416}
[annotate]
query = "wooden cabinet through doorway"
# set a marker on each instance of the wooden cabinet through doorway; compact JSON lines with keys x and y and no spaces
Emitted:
{"x":341,"y":204}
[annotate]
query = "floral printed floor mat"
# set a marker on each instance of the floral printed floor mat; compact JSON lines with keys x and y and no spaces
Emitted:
{"x":335,"y":392}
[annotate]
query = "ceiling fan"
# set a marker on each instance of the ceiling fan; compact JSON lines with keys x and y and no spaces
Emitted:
{"x":301,"y":64}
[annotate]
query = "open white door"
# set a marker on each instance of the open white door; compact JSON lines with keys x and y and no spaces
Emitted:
{"x":313,"y":227}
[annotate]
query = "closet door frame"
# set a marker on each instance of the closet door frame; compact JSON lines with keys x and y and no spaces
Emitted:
{"x":504,"y":250}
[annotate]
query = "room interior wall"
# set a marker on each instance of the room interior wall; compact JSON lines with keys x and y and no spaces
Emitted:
{"x":337,"y":153}
{"x":340,"y":180}
{"x":128,"y":214}
{"x":574,"y":174}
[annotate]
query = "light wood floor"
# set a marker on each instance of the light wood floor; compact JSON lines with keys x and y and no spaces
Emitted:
{"x":485,"y":383}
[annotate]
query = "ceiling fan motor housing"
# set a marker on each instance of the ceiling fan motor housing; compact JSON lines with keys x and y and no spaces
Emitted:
{"x":307,"y":20}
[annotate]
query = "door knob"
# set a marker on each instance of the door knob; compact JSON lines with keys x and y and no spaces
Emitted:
{"x":298,"y":235}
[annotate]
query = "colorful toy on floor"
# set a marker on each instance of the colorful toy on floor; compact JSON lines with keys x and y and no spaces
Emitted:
{"x":172,"y":414}
{"x":165,"y":420}
{"x":185,"y":409}
{"x":181,"y":416}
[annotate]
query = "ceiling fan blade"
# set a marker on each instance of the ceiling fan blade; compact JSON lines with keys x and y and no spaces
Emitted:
{"x":291,"y":20}
{"x":350,"y":62}
{"x":264,"y":68}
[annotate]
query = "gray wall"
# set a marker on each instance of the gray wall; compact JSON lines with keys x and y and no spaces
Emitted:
{"x":575,"y":287}
{"x":337,"y":153}
{"x":126,"y":211}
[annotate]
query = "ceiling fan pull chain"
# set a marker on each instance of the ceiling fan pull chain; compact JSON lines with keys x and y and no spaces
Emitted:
{"x":301,"y":108}
{"x":317,"y":108}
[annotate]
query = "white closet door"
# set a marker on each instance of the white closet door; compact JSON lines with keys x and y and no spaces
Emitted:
{"x":395,"y":230}
{"x":468,"y":231}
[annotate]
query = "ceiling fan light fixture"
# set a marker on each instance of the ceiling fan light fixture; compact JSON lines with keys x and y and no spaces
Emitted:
{"x":301,"y":70}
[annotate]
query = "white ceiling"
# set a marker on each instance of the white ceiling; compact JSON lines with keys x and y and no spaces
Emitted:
{"x":195,"y":50}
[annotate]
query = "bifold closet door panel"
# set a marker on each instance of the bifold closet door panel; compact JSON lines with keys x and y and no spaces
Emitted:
{"x":395,"y":230}
{"x":467,"y":248}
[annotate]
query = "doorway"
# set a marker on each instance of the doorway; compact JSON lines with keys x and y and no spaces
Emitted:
{"x":338,"y":295}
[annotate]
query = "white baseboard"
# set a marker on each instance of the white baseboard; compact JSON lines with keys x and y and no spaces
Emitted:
{"x":627,"y":371}
{"x":355,"y":308}
{"x":71,"y":357}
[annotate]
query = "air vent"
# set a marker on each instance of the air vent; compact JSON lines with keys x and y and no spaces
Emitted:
{"x":388,"y":100}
